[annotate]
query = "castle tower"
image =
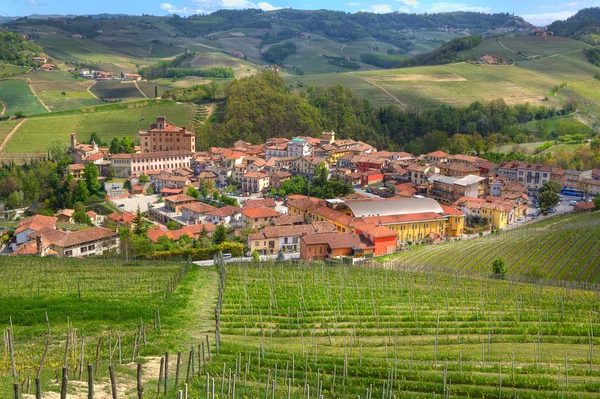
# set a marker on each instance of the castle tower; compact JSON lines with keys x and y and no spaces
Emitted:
{"x":73,"y":141}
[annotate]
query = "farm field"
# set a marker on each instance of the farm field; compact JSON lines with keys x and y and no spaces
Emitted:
{"x":50,"y":86}
{"x":7,"y":70}
{"x":6,"y":127}
{"x":116,"y":90}
{"x":240,"y":67}
{"x":17,"y":96}
{"x":563,"y":247}
{"x":36,"y":134}
{"x":300,"y":331}
{"x":92,"y":312}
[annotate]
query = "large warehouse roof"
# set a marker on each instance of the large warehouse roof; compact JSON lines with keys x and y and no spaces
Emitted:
{"x":394,"y":207}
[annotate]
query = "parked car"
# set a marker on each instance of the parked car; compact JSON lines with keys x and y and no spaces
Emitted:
{"x":227,"y":256}
{"x":551,"y":210}
{"x":572,"y":203}
{"x":248,"y":254}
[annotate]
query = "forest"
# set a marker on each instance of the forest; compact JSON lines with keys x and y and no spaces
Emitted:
{"x":261,"y":106}
{"x":584,"y":26}
{"x":15,"y":49}
{"x":175,"y":69}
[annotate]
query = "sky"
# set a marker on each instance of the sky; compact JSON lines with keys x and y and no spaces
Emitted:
{"x":539,"y":12}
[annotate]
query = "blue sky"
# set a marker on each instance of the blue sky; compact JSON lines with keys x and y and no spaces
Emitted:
{"x":537,"y":12}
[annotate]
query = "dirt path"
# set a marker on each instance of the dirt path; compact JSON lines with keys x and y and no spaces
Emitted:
{"x":89,"y":91}
{"x":36,"y":96}
{"x":512,"y":51}
{"x":10,"y":135}
{"x":382,"y":89}
{"x":3,"y":104}
{"x":138,"y":87}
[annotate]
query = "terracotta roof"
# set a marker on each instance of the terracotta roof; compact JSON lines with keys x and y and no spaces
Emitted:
{"x":225,"y":211}
{"x":303,"y":203}
{"x":299,"y":230}
{"x":171,"y":191}
{"x":584,"y":206}
{"x":66,"y":212}
{"x":124,"y":218}
{"x":150,"y":155}
{"x":69,"y":239}
{"x":192,"y":231}
{"x":438,"y":154}
{"x":179,"y":198}
{"x":35,"y":223}
{"x":466,"y":158}
{"x":377,"y":230}
{"x":408,"y":218}
{"x":91,"y":214}
{"x":156,"y":232}
{"x":334,"y":240}
{"x":285,"y":220}
{"x":172,"y":178}
{"x":256,"y":175}
{"x":198,"y":207}
{"x":259,"y":213}
{"x":76,"y":166}
{"x":95,"y":157}
{"x":258,"y":203}
{"x":450,"y":210}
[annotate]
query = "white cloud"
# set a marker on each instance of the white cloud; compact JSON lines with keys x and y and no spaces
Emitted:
{"x":163,"y":6}
{"x":33,"y":3}
{"x":547,"y":18}
{"x":571,"y":4}
{"x":449,"y":7}
{"x":409,"y":3}
{"x":263,"y":5}
{"x":354,"y":4}
{"x":381,"y":8}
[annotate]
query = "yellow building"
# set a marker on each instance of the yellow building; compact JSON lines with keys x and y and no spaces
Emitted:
{"x":411,"y":218}
{"x":257,"y":217}
{"x":498,"y":211}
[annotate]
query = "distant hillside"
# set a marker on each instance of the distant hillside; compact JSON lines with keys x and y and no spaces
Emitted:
{"x":584,"y":26}
{"x":341,"y":26}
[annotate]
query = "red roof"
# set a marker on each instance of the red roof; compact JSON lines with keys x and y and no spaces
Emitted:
{"x":584,"y":206}
{"x":259,"y":212}
{"x":377,"y":230}
{"x":35,"y":223}
{"x":438,"y":154}
{"x":225,"y":211}
{"x":124,"y":218}
{"x":167,"y":190}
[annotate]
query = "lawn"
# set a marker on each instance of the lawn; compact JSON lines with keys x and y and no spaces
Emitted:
{"x":564,"y":247}
{"x":300,"y":331}
{"x":117,"y":120}
{"x":17,"y":96}
{"x":98,"y":308}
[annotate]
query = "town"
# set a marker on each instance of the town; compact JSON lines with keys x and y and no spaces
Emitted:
{"x":398,"y":199}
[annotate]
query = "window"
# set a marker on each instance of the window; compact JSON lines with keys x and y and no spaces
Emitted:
{"x":257,"y":243}
{"x":83,"y":249}
{"x":68,"y":253}
{"x":91,"y":247}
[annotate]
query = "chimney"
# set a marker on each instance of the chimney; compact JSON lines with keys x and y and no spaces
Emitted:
{"x":73,"y":141}
{"x":38,"y":245}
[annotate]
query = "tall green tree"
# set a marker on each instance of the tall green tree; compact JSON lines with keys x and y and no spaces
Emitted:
{"x":139,"y":226}
{"x":220,"y":234}
{"x":90,"y":174}
{"x":115,"y":146}
{"x":81,"y":191}
{"x":127,"y":146}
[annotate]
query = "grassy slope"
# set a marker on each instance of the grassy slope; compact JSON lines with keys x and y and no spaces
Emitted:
{"x":410,"y":325}
{"x":50,"y":86}
{"x":113,"y":300}
{"x":564,"y":247}
{"x":120,"y":120}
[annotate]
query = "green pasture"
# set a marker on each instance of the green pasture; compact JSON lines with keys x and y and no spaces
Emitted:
{"x":50,"y":86}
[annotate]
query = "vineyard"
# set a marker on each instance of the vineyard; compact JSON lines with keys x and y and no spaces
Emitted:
{"x":116,"y":90}
{"x":71,"y":313}
{"x":564,"y":248}
{"x":296,"y":331}
{"x":17,"y":96}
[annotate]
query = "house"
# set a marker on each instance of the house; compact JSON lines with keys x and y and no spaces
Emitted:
{"x":131,"y":76}
{"x":84,"y":153}
{"x":271,"y":239}
{"x":76,"y":170}
{"x":492,"y":59}
{"x":590,"y":186}
{"x":383,"y":238}
{"x":436,"y":157}
{"x":333,"y":245}
{"x":228,"y":214}
{"x":164,"y":136}
{"x":259,"y":203}
{"x":94,"y":217}
{"x":125,"y":219}
{"x":64,"y":216}
{"x":584,"y":206}
{"x":278,"y":178}
{"x":419,"y":173}
{"x":255,"y":182}
{"x":195,"y":212}
{"x":30,"y":225}
{"x":48,"y":67}
{"x":499,"y":211}
{"x":77,"y":36}
{"x":38,"y":246}
{"x":41,"y":60}
{"x":299,"y":147}
{"x":371,"y":177}
{"x":136,"y":164}
{"x":92,"y":241}
{"x":458,"y":169}
{"x":171,"y":181}
{"x":236,"y":54}
{"x":174,"y":203}
{"x":305,"y":166}
{"x":257,"y":217}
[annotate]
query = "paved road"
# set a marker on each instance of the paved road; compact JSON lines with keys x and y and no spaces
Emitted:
{"x":294,"y":255}
{"x":131,"y":204}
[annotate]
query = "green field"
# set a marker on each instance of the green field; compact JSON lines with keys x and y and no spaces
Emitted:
{"x":105,"y":303}
{"x":346,"y":332}
{"x":36,"y":134}
{"x":116,"y":90}
{"x":17,"y":96}
{"x":6,"y":127}
{"x":564,"y":248}
{"x":7,"y":70}
{"x":50,"y":86}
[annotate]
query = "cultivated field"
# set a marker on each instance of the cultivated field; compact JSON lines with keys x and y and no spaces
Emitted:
{"x":17,"y":96}
{"x":7,"y":70}
{"x":49,"y":86}
{"x":6,"y":127}
{"x":116,"y":90}
{"x":345,"y":332}
{"x":36,"y":134}
{"x":99,"y":313}
{"x":564,"y":248}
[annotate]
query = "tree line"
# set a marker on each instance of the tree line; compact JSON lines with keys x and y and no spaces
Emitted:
{"x":175,"y":69}
{"x":17,"y":50}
